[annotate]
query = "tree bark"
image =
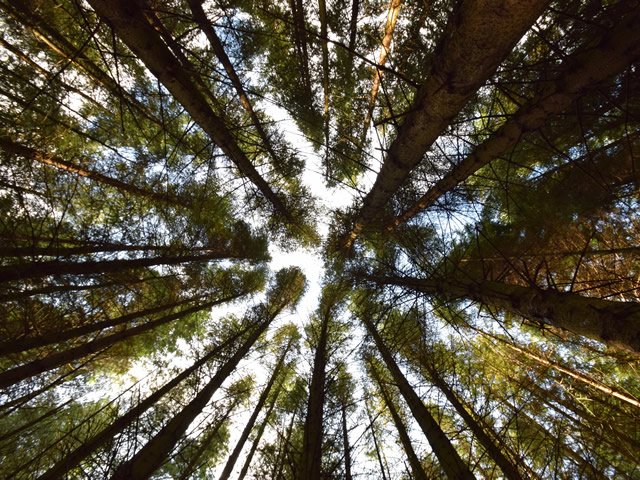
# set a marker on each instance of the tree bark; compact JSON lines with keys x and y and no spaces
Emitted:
{"x":35,"y":367}
{"x":24,"y":344}
{"x":259,"y":433}
{"x":479,"y":35}
{"x":448,"y":457}
{"x":508,"y":468}
{"x":233,"y":458}
{"x":416,"y":467}
{"x":345,"y":444}
{"x":312,"y":443}
{"x":615,"y":51}
{"x":15,"y":148}
{"x":154,"y":453}
{"x":93,"y":267}
{"x":615,"y":323}
{"x":129,"y":23}
{"x":64,"y":466}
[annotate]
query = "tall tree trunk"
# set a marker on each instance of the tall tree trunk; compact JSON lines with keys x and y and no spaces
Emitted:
{"x":374,"y":437}
{"x":324,"y":45}
{"x":35,"y":367}
{"x":155,"y":452}
{"x":66,"y":465}
{"x":312,"y":443}
{"x":345,"y":444}
{"x":15,"y":148}
{"x":93,"y":267}
{"x":233,"y":458}
{"x":581,"y":377}
{"x":392,"y":17}
{"x":494,"y":450}
{"x":192,"y":466}
{"x":129,"y":23}
{"x":616,"y":51}
{"x":205,"y":25}
{"x":615,"y":323}
{"x":416,"y":467}
{"x":474,"y":43}
{"x":258,"y":437}
{"x":24,"y":344}
{"x":449,"y":459}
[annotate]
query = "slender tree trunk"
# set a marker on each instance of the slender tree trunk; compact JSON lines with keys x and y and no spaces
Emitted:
{"x":508,"y":468}
{"x":94,"y":267}
{"x":312,"y":443}
{"x":345,"y":444}
{"x":201,"y":19}
{"x":392,"y":17}
{"x":35,"y":367}
{"x":474,"y":43}
{"x":416,"y":467}
{"x":66,"y":465}
{"x":233,"y":458}
{"x":282,"y":453}
{"x":374,"y":437}
{"x":15,"y":148}
{"x":258,"y":437}
{"x":24,"y":344}
{"x":616,"y":50}
{"x":192,"y":466}
{"x":449,"y":459}
{"x":129,"y":23}
{"x":155,"y":452}
{"x":324,"y":46}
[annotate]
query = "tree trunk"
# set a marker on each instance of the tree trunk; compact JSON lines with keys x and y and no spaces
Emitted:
{"x":372,"y":427}
{"x":312,"y":444}
{"x":35,"y":367}
{"x":392,"y":17}
{"x":155,"y":452}
{"x":15,"y":148}
{"x":64,"y":466}
{"x":449,"y":459}
{"x":192,"y":466}
{"x":508,"y":468}
{"x":477,"y":38}
{"x":128,"y":21}
{"x":233,"y":458}
{"x":259,"y":433}
{"x":416,"y":467}
{"x":615,"y":323}
{"x":93,"y":267}
{"x":24,"y":344}
{"x":615,"y":52}
{"x":345,"y":444}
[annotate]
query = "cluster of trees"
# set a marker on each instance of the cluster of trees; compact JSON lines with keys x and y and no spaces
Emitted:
{"x":479,"y":314}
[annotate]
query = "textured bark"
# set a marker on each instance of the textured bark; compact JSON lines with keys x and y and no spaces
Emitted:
{"x":54,"y":360}
{"x":80,"y":169}
{"x":128,"y":21}
{"x":64,"y":466}
{"x":312,"y":443}
{"x":447,"y":455}
{"x":416,"y":467}
{"x":480,"y":34}
{"x":582,"y":72}
{"x":94,"y":267}
{"x":24,"y":344}
{"x":233,"y":458}
{"x":615,"y":323}
{"x":155,"y":452}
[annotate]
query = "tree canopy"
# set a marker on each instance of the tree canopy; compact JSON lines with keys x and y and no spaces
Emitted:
{"x":477,"y":314}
